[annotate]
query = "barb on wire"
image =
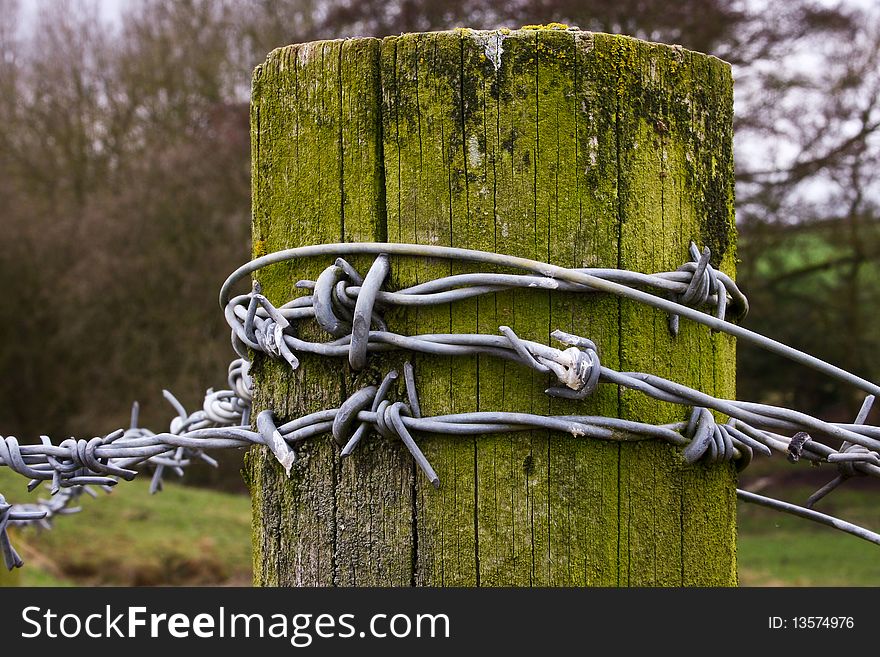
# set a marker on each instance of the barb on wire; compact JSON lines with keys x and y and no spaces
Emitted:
{"x":337,"y":304}
{"x":587,"y":280}
{"x":369,"y":408}
{"x":72,"y":466}
{"x":349,"y":308}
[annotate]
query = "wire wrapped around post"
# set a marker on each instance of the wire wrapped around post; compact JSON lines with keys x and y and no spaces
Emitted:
{"x":576,"y":370}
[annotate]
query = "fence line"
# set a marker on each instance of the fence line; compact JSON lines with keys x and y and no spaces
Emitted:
{"x":349,"y":307}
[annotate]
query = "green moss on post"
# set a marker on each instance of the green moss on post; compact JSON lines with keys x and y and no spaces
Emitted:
{"x":585,"y":150}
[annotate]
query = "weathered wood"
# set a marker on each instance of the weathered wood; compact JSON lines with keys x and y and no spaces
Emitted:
{"x":585,"y":150}
{"x":318,"y":178}
{"x":675,"y":184}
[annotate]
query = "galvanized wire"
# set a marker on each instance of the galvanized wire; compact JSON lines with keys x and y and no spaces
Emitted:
{"x":587,"y":282}
{"x":344,"y":304}
{"x":349,"y":307}
{"x":72,"y":466}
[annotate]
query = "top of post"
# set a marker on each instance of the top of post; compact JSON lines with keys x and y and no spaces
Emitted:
{"x":485,"y":36}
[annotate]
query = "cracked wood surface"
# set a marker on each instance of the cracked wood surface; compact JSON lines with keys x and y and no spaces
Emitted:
{"x":581,"y":149}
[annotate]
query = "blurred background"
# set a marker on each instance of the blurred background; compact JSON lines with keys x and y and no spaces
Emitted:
{"x":125,"y":201}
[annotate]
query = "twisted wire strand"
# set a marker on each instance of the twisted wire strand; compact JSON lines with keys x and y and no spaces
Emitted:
{"x":73,"y":466}
{"x":346,"y":307}
{"x":349,"y":307}
{"x":701,"y":437}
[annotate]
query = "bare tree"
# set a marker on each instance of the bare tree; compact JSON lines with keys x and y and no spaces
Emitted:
{"x":124,"y":181}
{"x":808,"y":194}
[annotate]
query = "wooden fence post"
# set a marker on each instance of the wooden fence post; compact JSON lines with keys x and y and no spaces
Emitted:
{"x":581,"y":149}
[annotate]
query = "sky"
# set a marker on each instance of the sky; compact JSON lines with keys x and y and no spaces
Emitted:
{"x":111,"y":10}
{"x":757,"y":151}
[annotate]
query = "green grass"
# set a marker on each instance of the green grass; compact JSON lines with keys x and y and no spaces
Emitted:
{"x":775,"y":549}
{"x":128,"y":537}
{"x":199,"y":537}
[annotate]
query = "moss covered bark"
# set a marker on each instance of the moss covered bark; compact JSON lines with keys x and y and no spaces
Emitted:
{"x":585,"y":150}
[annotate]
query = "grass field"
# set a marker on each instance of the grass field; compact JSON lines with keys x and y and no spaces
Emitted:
{"x":198,"y":537}
{"x":182,"y":535}
{"x":775,"y":549}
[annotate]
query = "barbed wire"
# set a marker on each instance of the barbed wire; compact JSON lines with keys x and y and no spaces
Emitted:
{"x":349,"y":307}
{"x":343,"y":303}
{"x":73,"y":466}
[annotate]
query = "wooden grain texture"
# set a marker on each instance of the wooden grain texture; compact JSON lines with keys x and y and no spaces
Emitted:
{"x":318,"y":178}
{"x":585,"y":150}
{"x":675,"y":175}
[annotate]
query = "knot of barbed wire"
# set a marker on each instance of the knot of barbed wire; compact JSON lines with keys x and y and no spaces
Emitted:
{"x":715,"y":443}
{"x":345,"y":303}
{"x":848,"y":456}
{"x":225,"y":406}
{"x":221,"y":408}
{"x":852,"y":459}
{"x":11,"y":515}
{"x":708,"y":439}
{"x":240,"y":381}
{"x":365,"y":409}
{"x":577,"y":368}
{"x":45,"y":509}
{"x":71,"y":463}
{"x":83,"y":456}
{"x":264,"y":334}
{"x":386,"y":416}
{"x":797,"y":445}
{"x":705,"y":286}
